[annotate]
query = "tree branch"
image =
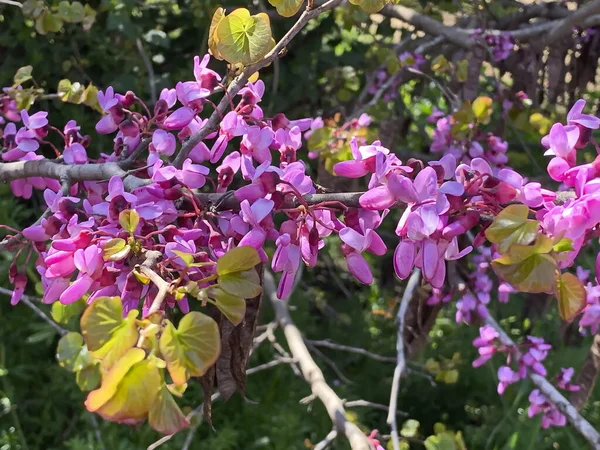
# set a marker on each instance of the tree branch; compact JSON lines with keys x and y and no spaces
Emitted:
{"x":412,"y":284}
{"x":555,"y":397}
{"x":565,"y":26}
{"x":242,"y":79}
{"x":312,"y":374}
{"x":30,"y":302}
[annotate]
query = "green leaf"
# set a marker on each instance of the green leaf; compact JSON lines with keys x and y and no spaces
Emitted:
{"x":22,"y":75}
{"x":129,"y":389}
{"x":48,"y":23}
{"x":164,"y":415}
{"x":129,"y":220}
{"x":116,"y":249}
{"x":442,"y":441}
{"x":440,"y":64}
{"x":186,"y":257}
{"x":213,"y":38}
{"x":319,"y":139}
{"x":483,"y":108}
{"x":528,"y":268}
{"x":107,"y":334}
{"x":242,"y":38}
{"x":88,"y":378}
{"x":63,"y":313}
{"x":72,"y":354}
{"x":71,"y":12}
{"x":191,"y":349}
{"x":370,"y":6}
{"x":571,"y":296}
{"x":237,"y":259}
{"x":232,"y":306}
{"x":70,"y":92}
{"x":512,"y":226}
{"x":564,"y":245}
{"x":286,"y":8}
{"x":410,"y":428}
{"x":450,"y":376}
{"x":242,"y":284}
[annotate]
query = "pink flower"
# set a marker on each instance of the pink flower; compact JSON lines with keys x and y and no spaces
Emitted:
{"x":89,"y":263}
{"x":208,"y":79}
{"x":506,"y":376}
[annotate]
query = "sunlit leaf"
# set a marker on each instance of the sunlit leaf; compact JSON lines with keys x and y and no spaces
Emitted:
{"x":23,"y":74}
{"x":511,"y":226}
{"x":129,"y":390}
{"x":187,"y":258}
{"x":72,"y":354}
{"x":192,"y":348}
{"x":483,"y":108}
{"x":238,"y":259}
{"x":88,"y":378}
{"x":571,"y":296}
{"x":242,"y":284}
{"x":440,"y":64}
{"x":370,"y":6}
{"x":165,"y":416}
{"x":242,"y":38}
{"x":107,"y":334}
{"x":232,"y":306}
{"x":129,"y":220}
{"x":287,"y":8}
{"x":410,"y":428}
{"x":213,"y":38}
{"x":63,"y":313}
{"x":48,"y":23}
{"x":116,"y":249}
{"x":564,"y":245}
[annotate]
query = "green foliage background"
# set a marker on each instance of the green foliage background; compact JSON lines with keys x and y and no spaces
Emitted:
{"x":323,"y":72}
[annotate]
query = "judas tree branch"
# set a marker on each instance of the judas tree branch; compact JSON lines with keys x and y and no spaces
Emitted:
{"x":237,"y":84}
{"x":311,"y":372}
{"x":555,"y":397}
{"x":565,"y":26}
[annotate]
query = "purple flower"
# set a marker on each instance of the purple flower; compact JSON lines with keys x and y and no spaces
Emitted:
{"x":506,"y":376}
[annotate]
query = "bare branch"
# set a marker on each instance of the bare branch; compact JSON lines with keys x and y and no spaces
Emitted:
{"x":555,"y":397}
{"x":10,"y":2}
{"x":312,"y":374}
{"x":30,"y":302}
{"x":327,"y":440}
{"x":162,"y":285}
{"x":565,"y":26}
{"x":412,"y":284}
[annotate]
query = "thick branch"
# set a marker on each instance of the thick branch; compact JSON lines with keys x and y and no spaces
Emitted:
{"x":555,"y":397}
{"x":565,"y":26}
{"x":242,"y":79}
{"x":312,"y":373}
{"x":228,"y":201}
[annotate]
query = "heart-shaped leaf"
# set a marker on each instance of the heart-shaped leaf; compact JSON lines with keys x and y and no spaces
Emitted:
{"x":89,"y":377}
{"x":129,"y":220}
{"x":511,"y":226}
{"x":287,"y":8}
{"x":107,"y":334}
{"x":238,"y":259}
{"x":192,"y":348}
{"x":23,"y":74}
{"x":241,"y":284}
{"x":72,"y":354}
{"x":371,"y":6}
{"x":571,"y":296}
{"x":232,"y":306}
{"x":116,"y":249}
{"x":483,"y":108}
{"x":63,"y":313}
{"x":165,"y":416}
{"x":242,"y":38}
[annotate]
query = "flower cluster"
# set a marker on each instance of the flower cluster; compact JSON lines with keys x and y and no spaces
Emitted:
{"x":500,"y":44}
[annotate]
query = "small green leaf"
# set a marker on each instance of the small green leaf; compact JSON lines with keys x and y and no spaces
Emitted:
{"x":191,"y":349}
{"x":242,"y":284}
{"x":370,"y":6}
{"x":440,"y":64}
{"x":48,"y":23}
{"x":22,"y":75}
{"x":571,"y":296}
{"x":232,"y":306}
{"x":242,"y":38}
{"x":564,"y":245}
{"x":483,"y":108}
{"x":129,"y":220}
{"x":512,"y":226}
{"x":63,"y":313}
{"x":164,"y":415}
{"x":286,"y":8}
{"x":410,"y":428}
{"x":237,"y":259}
{"x":451,"y":376}
{"x":88,"y":378}
{"x":72,"y":354}
{"x":186,"y":257}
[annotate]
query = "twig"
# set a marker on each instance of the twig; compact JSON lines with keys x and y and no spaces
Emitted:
{"x":275,"y":362}
{"x":10,"y":2}
{"x":367,"y":404}
{"x":347,"y":348}
{"x":160,"y":283}
{"x":312,"y":374}
{"x":330,"y":363}
{"x":327,"y":440}
{"x":29,"y":301}
{"x":400,"y":360}
{"x":552,"y":395}
{"x":149,"y":69}
{"x":242,"y":79}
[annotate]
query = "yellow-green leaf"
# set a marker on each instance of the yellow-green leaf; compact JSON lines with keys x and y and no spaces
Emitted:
{"x":370,"y":6}
{"x":571,"y":296}
{"x":242,"y":38}
{"x":128,"y":396}
{"x":213,"y":38}
{"x":88,"y":378}
{"x":72,"y":354}
{"x":287,"y":8}
{"x":461,"y":70}
{"x":116,"y":249}
{"x":191,"y":349}
{"x":410,"y":428}
{"x":232,"y":306}
{"x":186,"y":257}
{"x":238,"y":259}
{"x":483,"y":108}
{"x":533,"y":272}
{"x":512,"y":226}
{"x":164,"y":415}
{"x":48,"y":23}
{"x":129,"y":220}
{"x":564,"y":245}
{"x":107,"y":334}
{"x":440,"y":64}
{"x":23,"y":74}
{"x":63,"y":313}
{"x":241,"y":284}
